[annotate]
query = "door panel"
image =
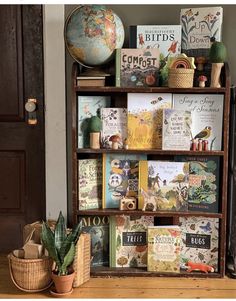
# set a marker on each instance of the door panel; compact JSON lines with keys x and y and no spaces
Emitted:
{"x":22,"y":148}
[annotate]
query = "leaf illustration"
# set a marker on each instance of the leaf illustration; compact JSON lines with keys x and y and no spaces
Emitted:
{"x":191,"y":28}
{"x":201,"y":256}
{"x":213,"y":23}
{"x":118,"y":242}
{"x":206,"y":24}
{"x":215,"y":32}
{"x":191,"y":19}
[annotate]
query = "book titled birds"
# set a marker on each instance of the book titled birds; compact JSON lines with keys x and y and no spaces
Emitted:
{"x":137,"y":67}
{"x":98,"y":228}
{"x":199,"y":25}
{"x":114,"y":124}
{"x":163,"y":185}
{"x":90,"y":184}
{"x":164,"y":249}
{"x":207,"y":118}
{"x":176,"y":129}
{"x":145,"y":112}
{"x":88,"y":106}
{"x":128,"y":240}
{"x":203,"y":194}
{"x":199,"y":243}
{"x":120,"y":177}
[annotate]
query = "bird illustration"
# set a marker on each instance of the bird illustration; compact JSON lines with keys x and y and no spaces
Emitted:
{"x":204,"y":134}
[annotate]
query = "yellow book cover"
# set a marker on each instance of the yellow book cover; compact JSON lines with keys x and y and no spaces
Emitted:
{"x":164,"y":249}
{"x":145,"y":112}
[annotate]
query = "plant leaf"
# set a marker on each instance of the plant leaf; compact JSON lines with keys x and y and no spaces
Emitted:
{"x":68,"y":259}
{"x":60,"y":232}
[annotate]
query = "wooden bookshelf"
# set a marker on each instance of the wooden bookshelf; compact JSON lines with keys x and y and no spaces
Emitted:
{"x":119,"y":95}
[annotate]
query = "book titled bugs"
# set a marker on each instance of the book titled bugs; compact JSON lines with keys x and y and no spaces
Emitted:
{"x":137,"y":67}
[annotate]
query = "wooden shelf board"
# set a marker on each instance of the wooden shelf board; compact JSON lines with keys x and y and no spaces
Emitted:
{"x":142,"y":272}
{"x":150,"y":151}
{"x":104,"y":212}
{"x":150,"y":90}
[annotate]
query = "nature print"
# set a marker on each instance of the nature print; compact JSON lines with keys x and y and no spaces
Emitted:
{"x":202,"y":245}
{"x":164,"y":249}
{"x":145,"y":112}
{"x":135,"y":253}
{"x":199,"y":25}
{"x":168,"y":184}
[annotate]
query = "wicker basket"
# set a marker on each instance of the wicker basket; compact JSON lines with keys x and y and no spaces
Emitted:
{"x":180,"y":78}
{"x":30,"y":275}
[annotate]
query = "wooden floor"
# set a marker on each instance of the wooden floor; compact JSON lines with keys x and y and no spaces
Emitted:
{"x":130,"y":287}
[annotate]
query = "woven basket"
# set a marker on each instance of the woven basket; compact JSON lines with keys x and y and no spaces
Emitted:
{"x":30,"y":275}
{"x":180,"y":78}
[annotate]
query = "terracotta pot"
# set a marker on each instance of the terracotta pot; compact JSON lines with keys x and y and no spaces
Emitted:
{"x":63,"y":284}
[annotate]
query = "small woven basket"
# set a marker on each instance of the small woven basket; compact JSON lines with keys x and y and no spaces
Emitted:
{"x":30,"y":275}
{"x":180,"y":78}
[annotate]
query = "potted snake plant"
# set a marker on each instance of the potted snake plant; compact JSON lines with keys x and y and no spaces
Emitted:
{"x":60,"y":244}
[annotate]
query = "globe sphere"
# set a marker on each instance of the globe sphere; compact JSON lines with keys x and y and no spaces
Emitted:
{"x":92,"y":33}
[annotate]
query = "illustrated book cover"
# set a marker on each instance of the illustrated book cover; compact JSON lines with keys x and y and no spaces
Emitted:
{"x":207,"y":116}
{"x":176,"y":129}
{"x":164,"y":249}
{"x":88,"y":106}
{"x":90,"y":184}
{"x":204,"y":174}
{"x":199,"y":25}
{"x":128,"y":240}
{"x":200,"y":241}
{"x":120,"y":177}
{"x":163,"y":185}
{"x":137,"y":67}
{"x":145,"y":114}
{"x":114,"y":122}
{"x":98,"y":228}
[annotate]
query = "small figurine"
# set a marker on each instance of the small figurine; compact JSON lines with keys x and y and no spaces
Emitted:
{"x":202,"y":267}
{"x":202,"y":79}
{"x":95,"y":127}
{"x":200,"y":61}
{"x":126,"y":146}
{"x":115,"y":139}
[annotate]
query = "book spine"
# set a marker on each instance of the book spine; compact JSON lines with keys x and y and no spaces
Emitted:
{"x":118,"y":66}
{"x":133,"y":36}
{"x":142,"y":182}
{"x":104,"y":181}
{"x":112,"y":242}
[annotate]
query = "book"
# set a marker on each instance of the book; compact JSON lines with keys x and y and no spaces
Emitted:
{"x":167,"y":38}
{"x":164,"y":249}
{"x":128,"y":240}
{"x":89,"y":184}
{"x":98,"y":228}
{"x":114,"y":122}
{"x":207,"y":116}
{"x":163,"y":185}
{"x":176,"y":129}
{"x":120,"y":177}
{"x":92,"y":81}
{"x":145,"y":119}
{"x":198,"y":26}
{"x":199,"y":241}
{"x":204,"y":174}
{"x":137,"y":67}
{"x":88,"y":106}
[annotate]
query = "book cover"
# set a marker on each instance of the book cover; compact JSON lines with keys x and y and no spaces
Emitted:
{"x":204,"y":173}
{"x":176,"y":129}
{"x":98,"y":228}
{"x":120,"y":177}
{"x":90,"y":184}
{"x":199,"y":241}
{"x":198,"y":26}
{"x":145,"y":114}
{"x":207,"y":116}
{"x":114,"y":122}
{"x":137,"y":67}
{"x":164,"y":249}
{"x":88,"y":106}
{"x":128,"y":240}
{"x":163,"y":185}
{"x":167,"y":38}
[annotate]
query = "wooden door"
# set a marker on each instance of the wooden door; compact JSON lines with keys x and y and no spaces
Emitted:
{"x":22,"y":149}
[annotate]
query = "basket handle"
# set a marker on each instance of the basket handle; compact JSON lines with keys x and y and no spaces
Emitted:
{"x":20,"y":288}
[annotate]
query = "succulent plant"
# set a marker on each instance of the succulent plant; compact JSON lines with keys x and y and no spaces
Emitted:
{"x":60,"y":244}
{"x":94,"y":124}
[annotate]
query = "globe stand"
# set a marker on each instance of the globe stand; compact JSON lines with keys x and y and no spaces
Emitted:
{"x":96,"y":71}
{"x":92,"y":77}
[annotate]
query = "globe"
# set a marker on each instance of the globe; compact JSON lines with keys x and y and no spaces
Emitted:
{"x":92,"y":33}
